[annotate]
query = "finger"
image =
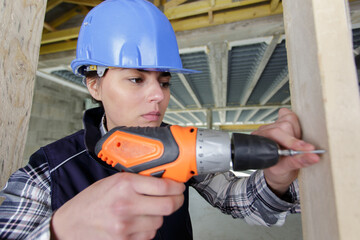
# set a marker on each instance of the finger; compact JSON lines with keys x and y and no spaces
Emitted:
{"x":156,"y":186}
{"x":284,"y":139}
{"x":149,"y":205}
{"x":272,"y":129}
{"x":285,"y":115}
{"x":144,"y":224}
{"x":143,"y":235}
{"x":287,"y":164}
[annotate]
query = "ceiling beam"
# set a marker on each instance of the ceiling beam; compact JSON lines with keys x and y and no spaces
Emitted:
{"x":274,"y":88}
{"x":264,"y":114}
{"x":278,"y":83}
{"x":188,"y":88}
{"x":229,"y":108}
{"x":252,"y":83}
{"x":218,"y":65}
{"x":264,"y":61}
{"x":174,"y":121}
{"x":230,"y":16}
{"x":179,"y":104}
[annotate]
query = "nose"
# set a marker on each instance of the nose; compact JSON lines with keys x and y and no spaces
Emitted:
{"x":155,"y":91}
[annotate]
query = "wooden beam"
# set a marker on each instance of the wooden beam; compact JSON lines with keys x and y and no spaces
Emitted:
{"x":325,"y":95}
{"x":203,"y":7}
{"x":20,"y":28}
{"x":173,"y":3}
{"x":223,"y":17}
{"x":66,"y":16}
{"x":240,"y":127}
{"x":60,"y":35}
{"x":58,"y":47}
{"x":52,"y":3}
{"x":274,"y":4}
{"x":91,"y":3}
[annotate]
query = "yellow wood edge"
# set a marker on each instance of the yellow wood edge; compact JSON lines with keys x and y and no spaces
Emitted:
{"x":58,"y":47}
{"x":65,"y":17}
{"x":173,"y":3}
{"x":52,"y":3}
{"x":91,"y":3}
{"x":240,"y":127}
{"x":203,"y":7}
{"x":224,"y":17}
{"x":60,"y":35}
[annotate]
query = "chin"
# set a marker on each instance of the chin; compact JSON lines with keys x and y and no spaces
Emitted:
{"x":150,"y":124}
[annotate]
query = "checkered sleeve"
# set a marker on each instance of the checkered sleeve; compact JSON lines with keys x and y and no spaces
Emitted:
{"x":26,"y":210}
{"x":248,"y":197}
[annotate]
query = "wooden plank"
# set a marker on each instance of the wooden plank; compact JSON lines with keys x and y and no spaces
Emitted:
{"x":203,"y":7}
{"x":60,"y":35}
{"x":52,"y":4}
{"x":20,"y":28}
{"x":325,"y":95}
{"x":173,"y":3}
{"x":222,"y":17}
{"x":58,"y":47}
{"x":90,"y":3}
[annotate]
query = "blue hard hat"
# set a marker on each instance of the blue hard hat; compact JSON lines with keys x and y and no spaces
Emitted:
{"x":127,"y":34}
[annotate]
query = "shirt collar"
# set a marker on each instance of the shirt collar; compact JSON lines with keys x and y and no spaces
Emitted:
{"x":102,"y":126}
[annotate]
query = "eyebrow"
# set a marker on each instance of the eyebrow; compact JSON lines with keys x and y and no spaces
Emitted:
{"x":162,"y":74}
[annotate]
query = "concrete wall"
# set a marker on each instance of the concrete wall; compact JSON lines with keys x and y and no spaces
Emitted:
{"x":57,"y":111}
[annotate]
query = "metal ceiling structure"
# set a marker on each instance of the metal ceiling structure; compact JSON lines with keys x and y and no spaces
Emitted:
{"x":238,"y":45}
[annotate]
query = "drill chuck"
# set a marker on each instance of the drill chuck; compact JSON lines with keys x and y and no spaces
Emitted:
{"x":253,"y":152}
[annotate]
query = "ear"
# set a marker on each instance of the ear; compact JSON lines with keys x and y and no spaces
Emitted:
{"x":94,"y":88}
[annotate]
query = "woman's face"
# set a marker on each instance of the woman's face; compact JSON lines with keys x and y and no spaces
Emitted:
{"x":132,"y":97}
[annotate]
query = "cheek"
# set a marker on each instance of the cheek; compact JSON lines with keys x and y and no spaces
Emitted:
{"x":121,"y":104}
{"x":166,"y":100}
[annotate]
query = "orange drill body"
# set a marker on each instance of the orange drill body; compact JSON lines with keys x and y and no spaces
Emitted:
{"x":129,"y":151}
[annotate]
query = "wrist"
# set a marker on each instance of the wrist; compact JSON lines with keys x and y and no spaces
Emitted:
{"x":53,"y":235}
{"x":279,"y":184}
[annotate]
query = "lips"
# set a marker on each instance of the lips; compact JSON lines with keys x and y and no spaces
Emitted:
{"x":152,"y":116}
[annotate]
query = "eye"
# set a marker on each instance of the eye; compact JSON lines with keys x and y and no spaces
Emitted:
{"x":165,"y":84}
{"x":136,"y":80}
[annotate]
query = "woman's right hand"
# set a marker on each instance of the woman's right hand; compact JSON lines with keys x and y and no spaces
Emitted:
{"x":122,"y":206}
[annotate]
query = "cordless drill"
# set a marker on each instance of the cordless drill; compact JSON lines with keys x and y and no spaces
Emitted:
{"x":180,"y":153}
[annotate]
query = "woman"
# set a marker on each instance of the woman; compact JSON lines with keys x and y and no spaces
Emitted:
{"x":126,"y":51}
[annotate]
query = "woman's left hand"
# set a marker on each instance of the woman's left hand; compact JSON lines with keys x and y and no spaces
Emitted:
{"x":286,"y":132}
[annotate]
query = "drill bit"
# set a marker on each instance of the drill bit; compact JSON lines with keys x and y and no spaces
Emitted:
{"x":290,"y":152}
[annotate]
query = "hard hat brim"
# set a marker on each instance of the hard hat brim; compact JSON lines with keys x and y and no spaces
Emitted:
{"x":78,"y":65}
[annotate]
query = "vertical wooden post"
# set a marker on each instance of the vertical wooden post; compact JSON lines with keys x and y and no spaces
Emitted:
{"x":20,"y":35}
{"x":325,"y":95}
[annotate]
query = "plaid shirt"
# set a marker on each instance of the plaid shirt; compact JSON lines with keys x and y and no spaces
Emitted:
{"x":26,"y":211}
